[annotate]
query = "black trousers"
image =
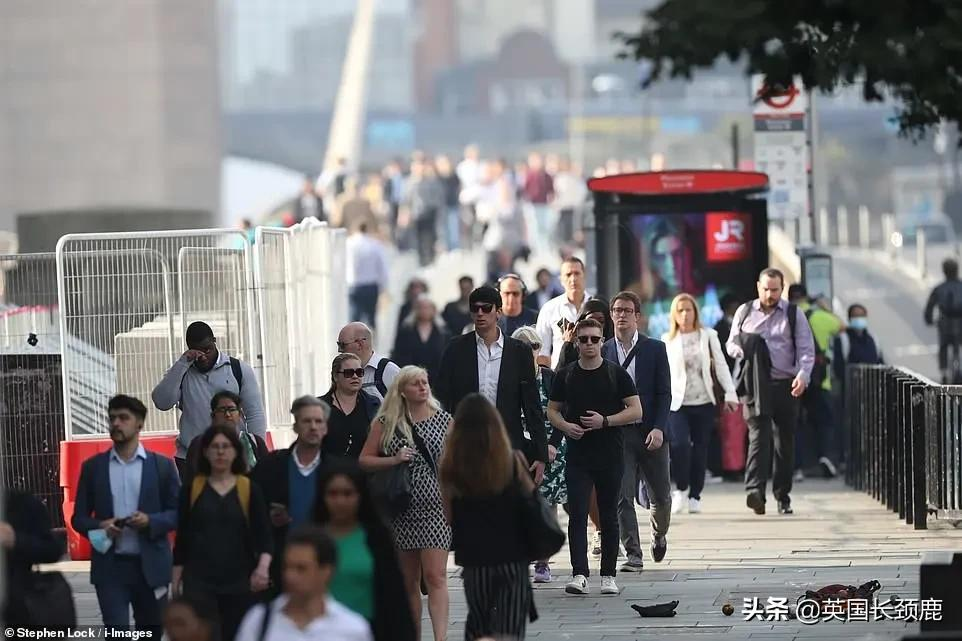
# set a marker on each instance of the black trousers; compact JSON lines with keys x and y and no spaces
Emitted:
{"x":426,"y":228}
{"x":607,"y":484}
{"x":362,"y":300}
{"x":778,"y":428}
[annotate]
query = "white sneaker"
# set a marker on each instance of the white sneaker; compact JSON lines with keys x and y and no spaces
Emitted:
{"x":608,"y":585}
{"x":578,"y":585}
{"x":694,"y":506}
{"x":678,"y":501}
{"x":799,"y":476}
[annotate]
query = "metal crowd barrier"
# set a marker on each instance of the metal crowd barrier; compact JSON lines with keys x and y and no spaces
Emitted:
{"x":905,"y":442}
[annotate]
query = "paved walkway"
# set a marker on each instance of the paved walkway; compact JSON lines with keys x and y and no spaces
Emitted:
{"x":722,"y":556}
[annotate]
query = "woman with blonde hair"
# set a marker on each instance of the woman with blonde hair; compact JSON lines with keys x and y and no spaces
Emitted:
{"x":410,"y":429}
{"x":484,"y":484}
{"x":694,"y":354}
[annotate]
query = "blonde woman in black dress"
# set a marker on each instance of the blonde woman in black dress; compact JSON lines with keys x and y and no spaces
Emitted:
{"x":421,"y":533}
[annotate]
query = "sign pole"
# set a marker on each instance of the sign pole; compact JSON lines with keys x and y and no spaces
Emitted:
{"x":812,"y":137}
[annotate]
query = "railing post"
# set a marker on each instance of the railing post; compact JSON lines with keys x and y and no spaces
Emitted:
{"x":920,"y":252}
{"x":841,"y":219}
{"x":823,"y":235}
{"x":888,"y":229}
{"x":864,"y":228}
{"x":918,"y":515}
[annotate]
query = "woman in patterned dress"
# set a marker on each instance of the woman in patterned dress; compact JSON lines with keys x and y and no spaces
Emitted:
{"x":553,"y":487}
{"x":421,"y":533}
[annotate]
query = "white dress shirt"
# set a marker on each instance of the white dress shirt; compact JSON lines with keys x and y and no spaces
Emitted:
{"x":489,"y":367}
{"x":366,"y":261}
{"x":368,"y":383}
{"x":623,"y":354}
{"x":125,"y":480}
{"x":338,"y":624}
{"x":554,"y":310}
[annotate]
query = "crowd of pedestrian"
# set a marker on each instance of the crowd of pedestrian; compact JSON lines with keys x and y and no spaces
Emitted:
{"x":465,"y":440}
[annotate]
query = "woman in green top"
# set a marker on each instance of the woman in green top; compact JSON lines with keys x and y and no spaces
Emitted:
{"x":368,"y":579}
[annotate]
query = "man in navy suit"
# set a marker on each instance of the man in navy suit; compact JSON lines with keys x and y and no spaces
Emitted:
{"x":126,"y":506}
{"x":646,"y":448}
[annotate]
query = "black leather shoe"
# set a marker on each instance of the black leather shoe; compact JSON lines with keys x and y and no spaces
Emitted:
{"x":756,"y":501}
{"x":659,"y":547}
{"x":785,"y":506}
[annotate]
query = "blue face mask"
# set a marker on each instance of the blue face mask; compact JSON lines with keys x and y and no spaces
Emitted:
{"x":860,"y":323}
{"x":99,"y":540}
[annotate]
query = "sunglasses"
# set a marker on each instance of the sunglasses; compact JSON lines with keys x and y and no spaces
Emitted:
{"x":352,"y":373}
{"x":594,"y":340}
{"x":482,"y":308}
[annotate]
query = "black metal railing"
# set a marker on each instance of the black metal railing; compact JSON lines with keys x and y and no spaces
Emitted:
{"x":904,"y":441}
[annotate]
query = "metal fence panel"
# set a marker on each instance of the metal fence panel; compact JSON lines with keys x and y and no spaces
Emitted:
{"x":126,"y":299}
{"x":31,"y":402}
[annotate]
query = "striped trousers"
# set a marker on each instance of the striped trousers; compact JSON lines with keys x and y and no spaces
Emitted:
{"x":500,"y":600}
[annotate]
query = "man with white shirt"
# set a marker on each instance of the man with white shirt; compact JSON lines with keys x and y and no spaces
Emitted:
{"x":501,"y":369}
{"x":306,"y":610}
{"x":558,"y":316}
{"x":366,"y":271}
{"x":379,"y":371}
{"x":646,"y":449}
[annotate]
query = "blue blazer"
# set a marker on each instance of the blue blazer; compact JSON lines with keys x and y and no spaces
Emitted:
{"x":652,"y":379}
{"x":159,"y":488}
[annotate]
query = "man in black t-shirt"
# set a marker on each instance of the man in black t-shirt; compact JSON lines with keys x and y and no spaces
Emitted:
{"x":589,"y":401}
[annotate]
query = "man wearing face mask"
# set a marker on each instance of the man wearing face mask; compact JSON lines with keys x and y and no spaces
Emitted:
{"x":853,"y":346}
{"x":192,"y":381}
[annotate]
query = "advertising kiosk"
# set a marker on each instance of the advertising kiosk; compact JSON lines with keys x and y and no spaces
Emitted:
{"x":662,"y":233}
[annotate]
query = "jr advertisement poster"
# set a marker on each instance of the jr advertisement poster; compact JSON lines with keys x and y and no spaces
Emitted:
{"x":706,"y":254}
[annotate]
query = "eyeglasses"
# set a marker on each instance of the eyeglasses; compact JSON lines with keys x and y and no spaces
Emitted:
{"x":227,"y":411}
{"x":482,"y":308}
{"x":343,"y":346}
{"x":352,"y":373}
{"x":593,"y":339}
{"x":622,"y":311}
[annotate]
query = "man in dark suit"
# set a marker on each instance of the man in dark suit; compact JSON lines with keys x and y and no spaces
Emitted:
{"x":646,"y":448}
{"x":501,"y":369}
{"x":126,"y":506}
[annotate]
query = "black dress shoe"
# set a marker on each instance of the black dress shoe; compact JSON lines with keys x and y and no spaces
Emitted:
{"x":659,"y":547}
{"x":756,"y":501}
{"x":785,"y":506}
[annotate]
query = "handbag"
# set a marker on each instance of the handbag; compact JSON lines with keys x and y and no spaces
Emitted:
{"x":392,"y":489}
{"x":48,"y":601}
{"x":543,"y":535}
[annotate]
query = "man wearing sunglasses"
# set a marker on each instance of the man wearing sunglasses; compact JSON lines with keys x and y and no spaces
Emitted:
{"x":192,"y":381}
{"x":501,"y":369}
{"x":226,"y":409}
{"x":589,"y":402}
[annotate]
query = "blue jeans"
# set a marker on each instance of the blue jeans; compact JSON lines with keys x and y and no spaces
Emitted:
{"x":128,"y":589}
{"x":690,"y":429}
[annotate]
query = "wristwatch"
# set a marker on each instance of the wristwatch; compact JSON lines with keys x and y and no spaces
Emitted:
{"x":604,"y":422}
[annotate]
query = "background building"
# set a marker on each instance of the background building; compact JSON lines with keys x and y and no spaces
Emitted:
{"x":108,"y":105}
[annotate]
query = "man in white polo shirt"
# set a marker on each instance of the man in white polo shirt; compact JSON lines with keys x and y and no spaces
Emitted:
{"x":379,"y":371}
{"x":559,"y":314}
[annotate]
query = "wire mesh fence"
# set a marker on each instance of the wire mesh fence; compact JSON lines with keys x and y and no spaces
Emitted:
{"x":31,"y":392}
{"x":126,"y":299}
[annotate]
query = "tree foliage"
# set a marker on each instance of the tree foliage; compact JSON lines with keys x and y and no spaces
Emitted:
{"x":906,"y":50}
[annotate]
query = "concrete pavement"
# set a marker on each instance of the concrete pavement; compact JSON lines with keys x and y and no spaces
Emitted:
{"x":722,"y":556}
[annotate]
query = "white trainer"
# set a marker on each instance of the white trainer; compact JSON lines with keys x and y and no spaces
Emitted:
{"x":678,"y":501}
{"x":608,"y":585}
{"x":577,"y":585}
{"x":694,"y":506}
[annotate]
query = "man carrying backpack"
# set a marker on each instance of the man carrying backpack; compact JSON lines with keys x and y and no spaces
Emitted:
{"x":379,"y":371}
{"x":192,"y":381}
{"x":774,"y":349}
{"x":947,"y":297}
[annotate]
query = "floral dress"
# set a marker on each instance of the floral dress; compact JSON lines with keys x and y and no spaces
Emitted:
{"x":553,"y":488}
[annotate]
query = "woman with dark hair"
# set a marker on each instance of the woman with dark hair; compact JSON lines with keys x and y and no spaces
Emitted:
{"x":191,"y":618}
{"x":421,"y":339}
{"x":223,"y":546}
{"x":595,"y":309}
{"x":368,"y":578}
{"x":352,"y":409}
{"x":484,"y":484}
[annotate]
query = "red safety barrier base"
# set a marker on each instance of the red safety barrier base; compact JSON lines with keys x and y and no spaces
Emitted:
{"x":72,"y":456}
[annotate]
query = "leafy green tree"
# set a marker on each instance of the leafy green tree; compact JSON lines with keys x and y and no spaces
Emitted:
{"x":906,"y":50}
